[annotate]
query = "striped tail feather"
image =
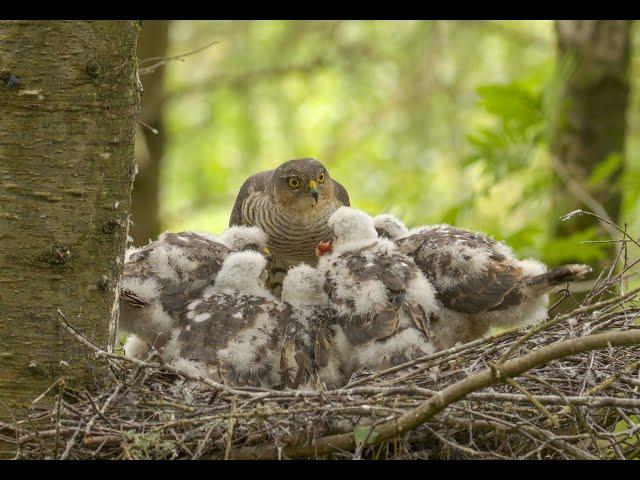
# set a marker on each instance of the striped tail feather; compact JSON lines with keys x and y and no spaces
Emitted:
{"x":133,"y":299}
{"x":558,"y":276}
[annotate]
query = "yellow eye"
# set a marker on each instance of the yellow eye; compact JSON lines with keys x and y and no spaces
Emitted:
{"x":294,"y":182}
{"x":321,"y":178}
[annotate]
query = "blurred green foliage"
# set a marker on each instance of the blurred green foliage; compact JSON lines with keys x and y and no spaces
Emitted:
{"x":434,"y":121}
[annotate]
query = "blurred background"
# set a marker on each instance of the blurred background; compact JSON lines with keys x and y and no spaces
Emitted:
{"x":496,"y":126}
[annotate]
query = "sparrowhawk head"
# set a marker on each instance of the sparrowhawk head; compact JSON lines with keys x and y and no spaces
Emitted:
{"x":301,"y":184}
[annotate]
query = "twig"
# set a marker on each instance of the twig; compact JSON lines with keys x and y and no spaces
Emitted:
{"x":162,"y":60}
{"x":455,"y":392}
{"x":58,"y":411}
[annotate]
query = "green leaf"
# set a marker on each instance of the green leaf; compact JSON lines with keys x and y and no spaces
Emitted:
{"x":512,"y":103}
{"x":361,"y":433}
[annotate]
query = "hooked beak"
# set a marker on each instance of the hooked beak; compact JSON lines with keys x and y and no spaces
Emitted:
{"x":267,"y":254}
{"x":313,"y":190}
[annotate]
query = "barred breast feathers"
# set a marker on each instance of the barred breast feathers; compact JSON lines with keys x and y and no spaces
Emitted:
{"x":291,"y":234}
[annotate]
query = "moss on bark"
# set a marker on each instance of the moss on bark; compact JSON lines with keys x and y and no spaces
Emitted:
{"x":69,"y":99}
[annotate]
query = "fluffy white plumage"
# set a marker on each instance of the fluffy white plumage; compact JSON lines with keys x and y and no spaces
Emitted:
{"x":350,"y":227}
{"x":385,"y":294}
{"x":135,"y":347}
{"x":377,"y":293}
{"x":243,"y":272}
{"x":311,"y":352}
{"x":389,"y":226}
{"x":238,"y":237}
{"x":160,"y":278}
{"x":231,"y":332}
{"x":302,"y":287}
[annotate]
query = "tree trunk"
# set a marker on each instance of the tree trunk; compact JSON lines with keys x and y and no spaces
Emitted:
{"x":153,"y":42}
{"x":591,"y":124}
{"x":69,"y":99}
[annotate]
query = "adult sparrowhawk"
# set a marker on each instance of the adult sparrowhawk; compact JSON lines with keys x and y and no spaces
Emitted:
{"x":291,"y":204}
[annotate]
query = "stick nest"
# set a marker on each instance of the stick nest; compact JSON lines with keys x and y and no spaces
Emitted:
{"x":568,"y":388}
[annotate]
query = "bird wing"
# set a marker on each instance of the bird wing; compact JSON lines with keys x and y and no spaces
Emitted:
{"x":137,"y":266}
{"x":295,"y":351}
{"x":394,"y":271}
{"x":255,"y":183}
{"x":496,"y":289}
{"x":341,"y":193}
{"x":446,"y":257}
{"x":212,"y":324}
{"x":361,"y":329}
{"x":189,"y":249}
{"x":208,"y":257}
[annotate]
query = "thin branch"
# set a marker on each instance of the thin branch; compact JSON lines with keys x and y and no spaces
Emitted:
{"x":162,"y":60}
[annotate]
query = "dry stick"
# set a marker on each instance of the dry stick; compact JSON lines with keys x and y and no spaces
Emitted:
{"x":100,"y":413}
{"x":527,"y":430}
{"x":15,"y":427}
{"x":232,"y":423}
{"x":453,"y":393}
{"x":49,"y":388}
{"x":425,"y":359}
{"x":602,"y":288}
{"x":609,"y":225}
{"x":603,"y":217}
{"x":612,"y":378}
{"x":469,"y":451}
{"x":533,"y":400}
{"x":205,"y":440}
{"x":70,"y":444}
{"x":58,"y":411}
{"x":588,"y":401}
{"x":559,"y":318}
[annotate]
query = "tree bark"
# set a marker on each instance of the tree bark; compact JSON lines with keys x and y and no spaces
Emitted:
{"x":153,"y":42}
{"x":591,"y":123}
{"x":69,"y":98}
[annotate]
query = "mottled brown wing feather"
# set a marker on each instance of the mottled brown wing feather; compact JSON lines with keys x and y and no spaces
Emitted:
{"x":136,"y":267}
{"x":490,"y":291}
{"x":363,"y":329}
{"x":208,"y":254}
{"x":394,"y":271}
{"x":203,"y":339}
{"x":419,"y":318}
{"x":255,"y":183}
{"x":497,"y":288}
{"x":341,"y":193}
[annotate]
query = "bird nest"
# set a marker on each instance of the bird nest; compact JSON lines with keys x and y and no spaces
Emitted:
{"x":568,"y":388}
